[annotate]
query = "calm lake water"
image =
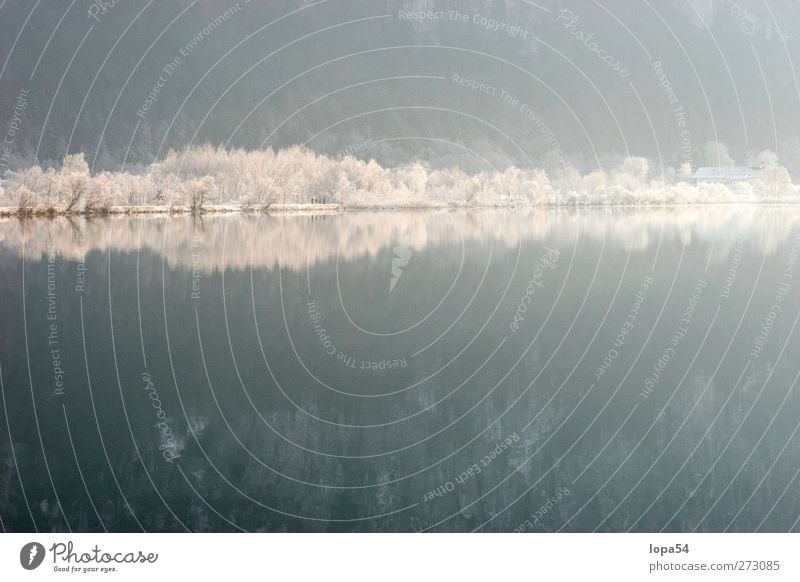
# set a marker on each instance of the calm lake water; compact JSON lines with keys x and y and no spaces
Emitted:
{"x":562,"y":370}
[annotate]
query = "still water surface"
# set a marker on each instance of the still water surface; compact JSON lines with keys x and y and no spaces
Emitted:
{"x":606,"y":370}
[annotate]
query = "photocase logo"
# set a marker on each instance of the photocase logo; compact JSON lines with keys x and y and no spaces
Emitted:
{"x":31,"y":555}
{"x":402,"y":254}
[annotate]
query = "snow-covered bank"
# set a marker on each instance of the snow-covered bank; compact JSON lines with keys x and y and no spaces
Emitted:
{"x":207,"y":179}
{"x":154,"y":209}
{"x":246,"y":209}
{"x":306,"y":209}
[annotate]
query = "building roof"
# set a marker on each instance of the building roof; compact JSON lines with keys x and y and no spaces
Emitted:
{"x":725,"y":174}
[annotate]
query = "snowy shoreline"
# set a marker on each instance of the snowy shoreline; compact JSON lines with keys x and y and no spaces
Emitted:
{"x":212,"y":180}
{"x":11,"y":212}
{"x":161,"y":210}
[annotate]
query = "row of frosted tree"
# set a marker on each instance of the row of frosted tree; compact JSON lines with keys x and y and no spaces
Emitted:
{"x":206,"y":177}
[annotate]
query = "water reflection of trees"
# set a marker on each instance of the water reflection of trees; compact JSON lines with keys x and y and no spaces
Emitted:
{"x":295,"y":241}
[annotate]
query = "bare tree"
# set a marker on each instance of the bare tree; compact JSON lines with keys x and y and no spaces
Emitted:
{"x":25,"y":201}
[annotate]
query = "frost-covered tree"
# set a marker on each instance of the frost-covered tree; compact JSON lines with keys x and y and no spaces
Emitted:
{"x":198,"y":177}
{"x":73,"y":182}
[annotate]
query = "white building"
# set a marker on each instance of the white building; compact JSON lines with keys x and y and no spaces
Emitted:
{"x":725,"y":174}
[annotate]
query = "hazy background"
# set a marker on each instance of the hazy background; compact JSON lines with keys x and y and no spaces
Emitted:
{"x":336,"y":74}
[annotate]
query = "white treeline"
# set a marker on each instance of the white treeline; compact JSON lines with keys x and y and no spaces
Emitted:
{"x":205,"y":176}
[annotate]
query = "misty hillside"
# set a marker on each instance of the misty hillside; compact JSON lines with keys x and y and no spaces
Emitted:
{"x":481,"y":85}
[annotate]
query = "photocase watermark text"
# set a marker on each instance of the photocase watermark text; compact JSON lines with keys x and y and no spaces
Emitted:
{"x":168,"y":446}
{"x":569,"y":20}
{"x":548,"y":260}
{"x":100,"y":8}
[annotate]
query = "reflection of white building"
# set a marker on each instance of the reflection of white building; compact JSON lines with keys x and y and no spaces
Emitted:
{"x":725,"y":174}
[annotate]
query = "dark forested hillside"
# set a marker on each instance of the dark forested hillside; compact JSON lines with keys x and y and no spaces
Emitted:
{"x":478,"y":83}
